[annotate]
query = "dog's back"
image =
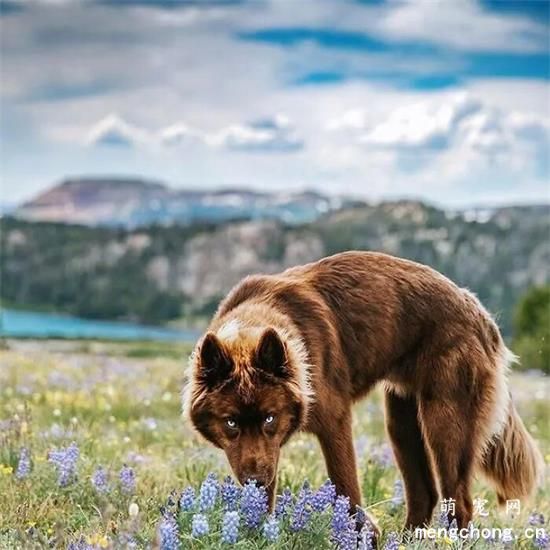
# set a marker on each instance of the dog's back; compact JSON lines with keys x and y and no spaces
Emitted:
{"x":378,"y":314}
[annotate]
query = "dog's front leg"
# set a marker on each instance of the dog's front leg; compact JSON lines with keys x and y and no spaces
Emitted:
{"x":271,"y":491}
{"x":337,"y":444}
{"x":336,"y":441}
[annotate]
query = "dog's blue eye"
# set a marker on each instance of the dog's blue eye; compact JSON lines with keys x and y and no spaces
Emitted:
{"x":269,"y":419}
{"x":231,"y":423}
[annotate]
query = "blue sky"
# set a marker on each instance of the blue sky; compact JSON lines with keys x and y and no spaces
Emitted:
{"x":444,"y":100}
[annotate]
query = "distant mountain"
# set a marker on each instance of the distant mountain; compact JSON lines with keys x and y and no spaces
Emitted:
{"x":158,"y":273}
{"x":135,"y":203}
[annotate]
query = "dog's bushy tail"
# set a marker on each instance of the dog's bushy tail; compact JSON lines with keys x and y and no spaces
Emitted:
{"x":512,"y":460}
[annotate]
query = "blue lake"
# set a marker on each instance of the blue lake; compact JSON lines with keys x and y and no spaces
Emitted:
{"x":31,"y":324}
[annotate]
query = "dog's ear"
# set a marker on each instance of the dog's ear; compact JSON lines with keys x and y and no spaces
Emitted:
{"x":214,"y":364}
{"x":271,"y":354}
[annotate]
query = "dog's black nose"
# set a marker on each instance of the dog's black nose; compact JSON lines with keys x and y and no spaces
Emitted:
{"x":259,"y":481}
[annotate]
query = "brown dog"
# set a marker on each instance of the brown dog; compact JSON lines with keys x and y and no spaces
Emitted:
{"x":296,"y":350}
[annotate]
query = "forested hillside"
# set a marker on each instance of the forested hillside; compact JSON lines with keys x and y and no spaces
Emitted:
{"x":155,"y":274}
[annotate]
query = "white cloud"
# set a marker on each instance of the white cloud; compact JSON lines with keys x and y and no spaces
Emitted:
{"x":462,"y":24}
{"x":179,"y":134}
{"x":450,"y":122}
{"x":275,"y":134}
{"x":354,"y":119}
{"x":271,"y":134}
{"x":424,"y":124}
{"x":114,"y":131}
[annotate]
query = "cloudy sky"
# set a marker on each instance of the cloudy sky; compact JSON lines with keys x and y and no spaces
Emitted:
{"x":442,"y":100}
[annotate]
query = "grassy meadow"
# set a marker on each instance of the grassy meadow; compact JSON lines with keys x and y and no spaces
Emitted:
{"x":120,"y":405}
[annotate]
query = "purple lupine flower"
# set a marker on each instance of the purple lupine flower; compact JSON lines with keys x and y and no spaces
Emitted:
{"x":366,"y":537}
{"x":392,"y":542}
{"x":397,"y":498}
{"x":65,"y":461}
{"x":168,"y":533}
{"x":302,"y":509}
{"x":187,"y":499}
{"x":24,"y":464}
{"x":253,"y":504}
{"x":382,"y":456}
{"x":126,"y":541}
{"x":361,"y":445}
{"x":100,"y":480}
{"x":542,"y":540}
{"x":127,"y":478}
{"x":230,"y":527}
{"x":199,"y":526}
{"x":271,"y":529}
{"x":324,"y":496}
{"x":230,"y":494}
{"x":208,"y":493}
{"x":80,"y":544}
{"x":343,"y":535}
{"x":283,"y":503}
{"x":340,"y":516}
{"x":443,"y":520}
{"x":347,"y":539}
{"x":536,"y":518}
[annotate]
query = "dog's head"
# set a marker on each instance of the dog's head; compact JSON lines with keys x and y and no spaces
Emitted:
{"x":247,"y":394}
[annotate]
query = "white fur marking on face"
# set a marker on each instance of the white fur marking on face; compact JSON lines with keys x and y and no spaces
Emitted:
{"x":230,"y":330}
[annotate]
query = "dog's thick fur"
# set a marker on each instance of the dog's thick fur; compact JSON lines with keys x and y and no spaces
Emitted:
{"x":296,"y":350}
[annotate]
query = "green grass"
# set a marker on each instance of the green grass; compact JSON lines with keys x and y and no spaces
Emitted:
{"x":121,"y":404}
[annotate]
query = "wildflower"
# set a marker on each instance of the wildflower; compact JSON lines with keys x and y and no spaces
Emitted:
{"x":283,"y":504}
{"x":126,"y":541}
{"x":127,"y":479}
{"x":340,"y":517}
{"x":80,"y":544}
{"x":344,"y":535}
{"x":271,"y":529}
{"x":366,"y":537}
{"x":199,"y":525}
{"x":392,"y":543}
{"x":382,"y":456}
{"x":208,"y":493}
{"x":168,"y":533}
{"x":302,"y":509}
{"x":324,"y":497}
{"x":542,"y":540}
{"x":99,"y":480}
{"x":187,"y":499}
{"x":64,"y":461}
{"x":253,"y":504}
{"x":536,"y":518}
{"x":443,"y":520}
{"x":5,"y":469}
{"x":133,"y":510}
{"x":397,"y":498}
{"x":98,"y":541}
{"x":56,"y":431}
{"x":150,"y":424}
{"x":230,"y":494}
{"x":230,"y":527}
{"x":24,"y":464}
